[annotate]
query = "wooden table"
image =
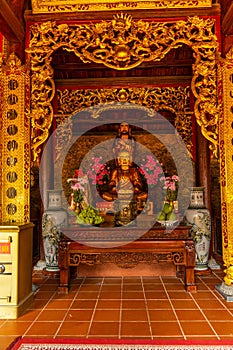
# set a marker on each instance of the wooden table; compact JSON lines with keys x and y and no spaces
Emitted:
{"x":96,"y":246}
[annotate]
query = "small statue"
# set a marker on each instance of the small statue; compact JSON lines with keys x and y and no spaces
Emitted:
{"x":125,"y":187}
{"x":124,"y":141}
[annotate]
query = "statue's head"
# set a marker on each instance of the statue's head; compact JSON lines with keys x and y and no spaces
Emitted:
{"x":124,"y":158}
{"x":124,"y":128}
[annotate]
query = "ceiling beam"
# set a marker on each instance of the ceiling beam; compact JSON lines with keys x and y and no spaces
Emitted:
{"x":227,"y":21}
{"x":11,"y":27}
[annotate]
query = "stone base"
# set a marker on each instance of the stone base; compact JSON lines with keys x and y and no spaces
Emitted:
{"x":225,"y":291}
{"x":40,"y":265}
{"x":213,"y":265}
{"x":52,"y":273}
{"x":205,"y":272}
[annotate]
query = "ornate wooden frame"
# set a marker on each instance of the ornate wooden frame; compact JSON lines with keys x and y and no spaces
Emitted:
{"x":124,"y":43}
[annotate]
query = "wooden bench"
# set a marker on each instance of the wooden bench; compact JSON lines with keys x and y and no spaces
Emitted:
{"x":94,"y":246}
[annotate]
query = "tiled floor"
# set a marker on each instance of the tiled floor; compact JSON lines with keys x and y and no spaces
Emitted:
{"x":124,"y":307}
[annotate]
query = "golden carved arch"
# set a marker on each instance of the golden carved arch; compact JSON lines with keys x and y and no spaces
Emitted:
{"x":173,"y":99}
{"x":124,"y":43}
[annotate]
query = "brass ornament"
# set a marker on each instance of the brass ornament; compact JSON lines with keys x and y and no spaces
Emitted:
{"x":122,"y":44}
{"x":225,"y":78}
{"x":15,"y":141}
{"x":48,"y":6}
{"x":174,"y":99}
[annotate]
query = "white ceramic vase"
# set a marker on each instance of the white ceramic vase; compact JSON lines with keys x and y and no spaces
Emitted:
{"x":54,"y":218}
{"x":199,"y":217}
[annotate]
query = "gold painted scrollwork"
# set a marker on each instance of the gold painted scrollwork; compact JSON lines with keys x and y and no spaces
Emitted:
{"x":174,"y":99}
{"x":43,"y":89}
{"x":122,"y":44}
{"x":207,"y":107}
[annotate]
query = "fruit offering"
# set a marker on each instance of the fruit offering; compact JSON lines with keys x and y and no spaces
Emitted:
{"x":167,"y":213}
{"x":90,"y":216}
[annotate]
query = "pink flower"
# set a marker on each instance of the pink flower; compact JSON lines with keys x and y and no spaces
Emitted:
{"x":151,"y":170}
{"x":99,"y":172}
{"x":170,"y":184}
{"x":175,"y":177}
{"x":75,"y":186}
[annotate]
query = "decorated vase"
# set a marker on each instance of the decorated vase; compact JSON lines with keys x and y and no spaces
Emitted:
{"x":198,"y":216}
{"x":53,"y":219}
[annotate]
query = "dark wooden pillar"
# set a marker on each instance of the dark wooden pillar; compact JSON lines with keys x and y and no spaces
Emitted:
{"x":203,"y":167}
{"x":203,"y":177}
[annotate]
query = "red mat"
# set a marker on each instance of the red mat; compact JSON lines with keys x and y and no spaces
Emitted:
{"x":115,"y":344}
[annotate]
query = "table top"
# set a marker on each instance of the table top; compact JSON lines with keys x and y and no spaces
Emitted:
{"x":125,"y":233}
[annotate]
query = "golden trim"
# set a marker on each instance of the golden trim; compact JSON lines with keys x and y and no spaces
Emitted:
{"x":48,"y":6}
{"x":226,"y":164}
{"x":121,"y":44}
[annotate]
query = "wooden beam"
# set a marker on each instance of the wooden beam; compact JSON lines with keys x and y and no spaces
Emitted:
{"x":227,"y":21}
{"x":126,"y":82}
{"x":12,"y":22}
{"x":215,"y":10}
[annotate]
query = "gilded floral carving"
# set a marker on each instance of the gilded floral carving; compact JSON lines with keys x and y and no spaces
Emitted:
{"x":121,"y":44}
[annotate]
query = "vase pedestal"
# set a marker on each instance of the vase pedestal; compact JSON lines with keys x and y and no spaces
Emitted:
{"x":205,"y":272}
{"x":49,"y":273}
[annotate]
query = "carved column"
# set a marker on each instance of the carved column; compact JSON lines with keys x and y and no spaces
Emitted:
{"x":226,"y":170}
{"x":15,"y":141}
{"x":203,"y":166}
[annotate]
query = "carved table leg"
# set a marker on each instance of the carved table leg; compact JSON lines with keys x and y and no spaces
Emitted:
{"x":190,"y":283}
{"x":180,"y":271}
{"x":64,"y":268}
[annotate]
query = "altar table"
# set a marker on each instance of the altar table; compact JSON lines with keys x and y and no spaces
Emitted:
{"x":95,"y":246}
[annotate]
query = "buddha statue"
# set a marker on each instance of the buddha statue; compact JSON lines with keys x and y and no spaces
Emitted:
{"x":124,"y":141}
{"x":125,"y":188}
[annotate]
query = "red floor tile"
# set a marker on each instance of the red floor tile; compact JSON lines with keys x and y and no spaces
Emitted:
{"x":44,"y":328}
{"x":73,"y":329}
{"x":124,"y":307}
{"x":133,"y":304}
{"x":52,"y":315}
{"x":140,"y":329}
{"x":107,"y":315}
{"x":162,"y":315}
{"x":14,"y":328}
{"x":134,"y":315}
{"x":161,"y":329}
{"x":79,"y":315}
{"x":104,"y":329}
{"x":196,"y":328}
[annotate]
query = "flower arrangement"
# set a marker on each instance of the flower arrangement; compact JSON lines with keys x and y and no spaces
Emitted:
{"x":99,"y":173}
{"x":151,"y":170}
{"x":79,"y":193}
{"x":171,"y":185}
{"x":169,"y":212}
{"x":78,"y":189}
